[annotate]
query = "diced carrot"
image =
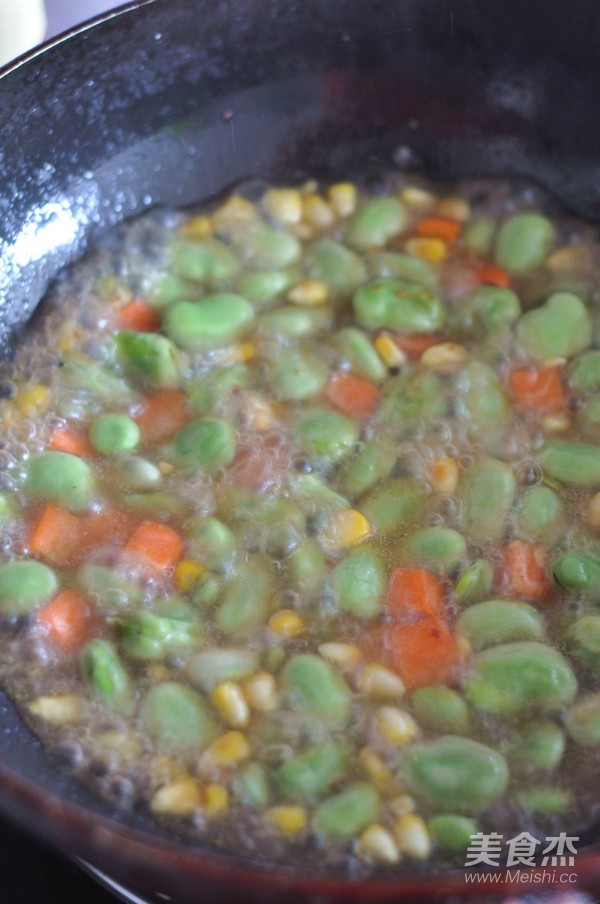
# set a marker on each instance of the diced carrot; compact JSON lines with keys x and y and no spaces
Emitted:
{"x":67,"y":620}
{"x":162,"y":415}
{"x":352,"y":395}
{"x":138,"y":316}
{"x":414,"y":592}
{"x":262,"y":464}
{"x":439,"y":228}
{"x":536,"y":389}
{"x":72,"y":440}
{"x":158,"y":544}
{"x":491,"y":275}
{"x":414,"y":344}
{"x":424,"y":652}
{"x":523,"y":571}
{"x":56,"y":535}
{"x":106,"y":528}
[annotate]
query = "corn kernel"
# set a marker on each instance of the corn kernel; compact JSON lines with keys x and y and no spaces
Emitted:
{"x":63,"y":709}
{"x":225,"y":753}
{"x":258,"y":413}
{"x":444,"y":356}
{"x":412,"y":836}
{"x":555,"y":423}
{"x":309,"y":292}
{"x":455,"y":209}
{"x":379,"y":682}
{"x":124,"y":743}
{"x":283,"y":204}
{"x":342,"y":197}
{"x":167,"y":769}
{"x":243,"y":352}
{"x":236,"y":213}
{"x":431,"y":250}
{"x":444,"y":475}
{"x":376,"y":843}
{"x":593,"y":511}
{"x":287,"y":818}
{"x":180,"y":798}
{"x":346,"y":528}
{"x":261,"y":692}
{"x":402,"y":804}
{"x":166,"y":468}
{"x":32,"y":398}
{"x":417,"y":198}
{"x":215,"y":799}
{"x":230,"y":703}
{"x":310,"y":187}
{"x":390,"y":353}
{"x":396,"y":726}
{"x":571,"y":257}
{"x":187,"y":573}
{"x":374,"y":766}
{"x":286,"y":623}
{"x":197,"y":228}
{"x":317,"y":211}
{"x":345,"y":655}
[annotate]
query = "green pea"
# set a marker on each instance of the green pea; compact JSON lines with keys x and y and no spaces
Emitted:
{"x":251,"y":786}
{"x":209,"y":668}
{"x":62,"y":478}
{"x":560,"y":327}
{"x":583,"y":721}
{"x":137,"y":473}
{"x":359,"y":351}
{"x":213,"y":542}
{"x":544,"y":799}
{"x":392,"y":503}
{"x":375,"y":461}
{"x":247,"y":597}
{"x":583,"y":641}
{"x":293,"y":322}
{"x":475,"y":583}
{"x":578,"y":572}
{"x":212,"y":321}
{"x":523,"y":242}
{"x":102,"y":669}
{"x":440,"y":549}
{"x":487,"y":491}
{"x":478,"y":234}
{"x":398,"y":305}
{"x":539,"y":746}
{"x":109,"y":586}
{"x":207,"y":443}
{"x":454,"y":773}
{"x":149,"y":357}
{"x":405,"y":267}
{"x":153,"y":635}
{"x":411,"y":402}
{"x":98,"y":381}
{"x":297,"y":375}
{"x":331,"y":261}
{"x":343,"y":816}
{"x":376,"y":222}
{"x":451,"y":832}
{"x":358,"y":583}
{"x":306,"y":568}
{"x":266,"y":285}
{"x":111,"y":433}
{"x":487,"y":309}
{"x":24,"y":585}
{"x":316,"y":687}
{"x":217,"y":386}
{"x":440,"y":709}
{"x":480,"y":399}
{"x":208,"y":260}
{"x":266,"y":248}
{"x":572,"y":463}
{"x":498,"y":621}
{"x":584,"y":372}
{"x":308,"y":774}
{"x":327,"y":436}
{"x":513,"y":678}
{"x":177,"y":718}
{"x":540,"y":515}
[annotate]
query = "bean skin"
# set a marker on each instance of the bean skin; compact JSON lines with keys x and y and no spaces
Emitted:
{"x":177,"y":717}
{"x":495,"y":622}
{"x":561,"y":327}
{"x":487,"y":491}
{"x":523,"y":242}
{"x":398,"y":305}
{"x":315,"y":686}
{"x":358,"y":583}
{"x":343,"y":816}
{"x":24,"y":585}
{"x":572,"y":463}
{"x":62,"y":478}
{"x":578,"y":572}
{"x":376,"y":222}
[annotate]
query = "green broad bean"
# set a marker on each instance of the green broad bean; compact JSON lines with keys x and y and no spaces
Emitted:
{"x":307,"y":488}
{"x":512,"y":678}
{"x":456,"y":774}
{"x":572,"y":463}
{"x":276,"y":527}
{"x":578,"y":572}
{"x":544,"y":799}
{"x":499,"y":621}
{"x":208,"y":260}
{"x":441,"y":709}
{"x":583,"y":721}
{"x":293,"y":322}
{"x":306,"y":568}
{"x":247,"y":597}
{"x":316,"y":687}
{"x":150,"y":357}
{"x":540,"y":515}
{"x":480,"y":399}
{"x":584,"y":372}
{"x":214,"y":320}
{"x":163,"y":504}
{"x":297,"y":375}
{"x":94,"y":379}
{"x":209,"y":668}
{"x":308,"y":774}
{"x":327,"y":436}
{"x":164,"y":289}
{"x":339,"y":267}
{"x":137,"y":473}
{"x":439,"y":549}
{"x":344,"y":815}
{"x":112,"y":433}
{"x":358,"y":583}
{"x":523,"y":242}
{"x":62,"y":478}
{"x":109,"y":586}
{"x":216,"y":387}
{"x":265,"y":285}
{"x":376,"y":222}
{"x":265,"y":248}
{"x":391,"y":504}
{"x":251,"y":786}
{"x":375,"y":461}
{"x":475,"y":583}
{"x":561,"y":327}
{"x":207,"y":590}
{"x":405,"y":267}
{"x":359,"y":351}
{"x":411,"y":401}
{"x":153,"y":635}
{"x":24,"y":585}
{"x":538,"y":746}
{"x":177,"y":718}
{"x":583,"y":640}
{"x":487,"y":491}
{"x":487,"y":309}
{"x":478,"y":234}
{"x":213,"y":543}
{"x":207,"y":443}
{"x":589,"y":414}
{"x":451,"y":832}
{"x":102,"y":669}
{"x":398,"y":305}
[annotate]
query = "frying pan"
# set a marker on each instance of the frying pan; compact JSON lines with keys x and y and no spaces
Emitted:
{"x":166,"y":102}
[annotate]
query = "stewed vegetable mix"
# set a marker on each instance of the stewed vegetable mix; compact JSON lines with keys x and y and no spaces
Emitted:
{"x":300,"y":520}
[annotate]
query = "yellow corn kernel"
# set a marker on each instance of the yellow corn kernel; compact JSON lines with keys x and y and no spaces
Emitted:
{"x":396,"y":726}
{"x":197,"y":228}
{"x":431,"y":250}
{"x":317,"y":212}
{"x":444,"y":356}
{"x":444,"y":475}
{"x":377,"y":844}
{"x":215,"y":799}
{"x":187,"y":573}
{"x":345,"y":655}
{"x":417,"y":198}
{"x":454,"y":208}
{"x":287,"y":818}
{"x":230,"y":703}
{"x":225,"y":753}
{"x":243,"y":352}
{"x":167,"y":769}
{"x":261,"y":692}
{"x":286,"y":623}
{"x":555,"y":423}
{"x":309,"y":292}
{"x":378,"y":682}
{"x":166,"y":468}
{"x":303,"y":231}
{"x":283,"y":204}
{"x":374,"y":766}
{"x":66,"y":339}
{"x":63,"y":709}
{"x":342,"y":196}
{"x":346,"y":528}
{"x":571,"y":257}
{"x":32,"y":398}
{"x":412,"y":836}
{"x":593,"y":510}
{"x":122,"y":742}
{"x":402,"y":804}
{"x":235,"y":213}
{"x":310,"y":187}
{"x":258,"y":413}
{"x":390,"y":353}
{"x":179,"y":798}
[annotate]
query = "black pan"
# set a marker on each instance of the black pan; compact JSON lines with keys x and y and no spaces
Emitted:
{"x":166,"y":102}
